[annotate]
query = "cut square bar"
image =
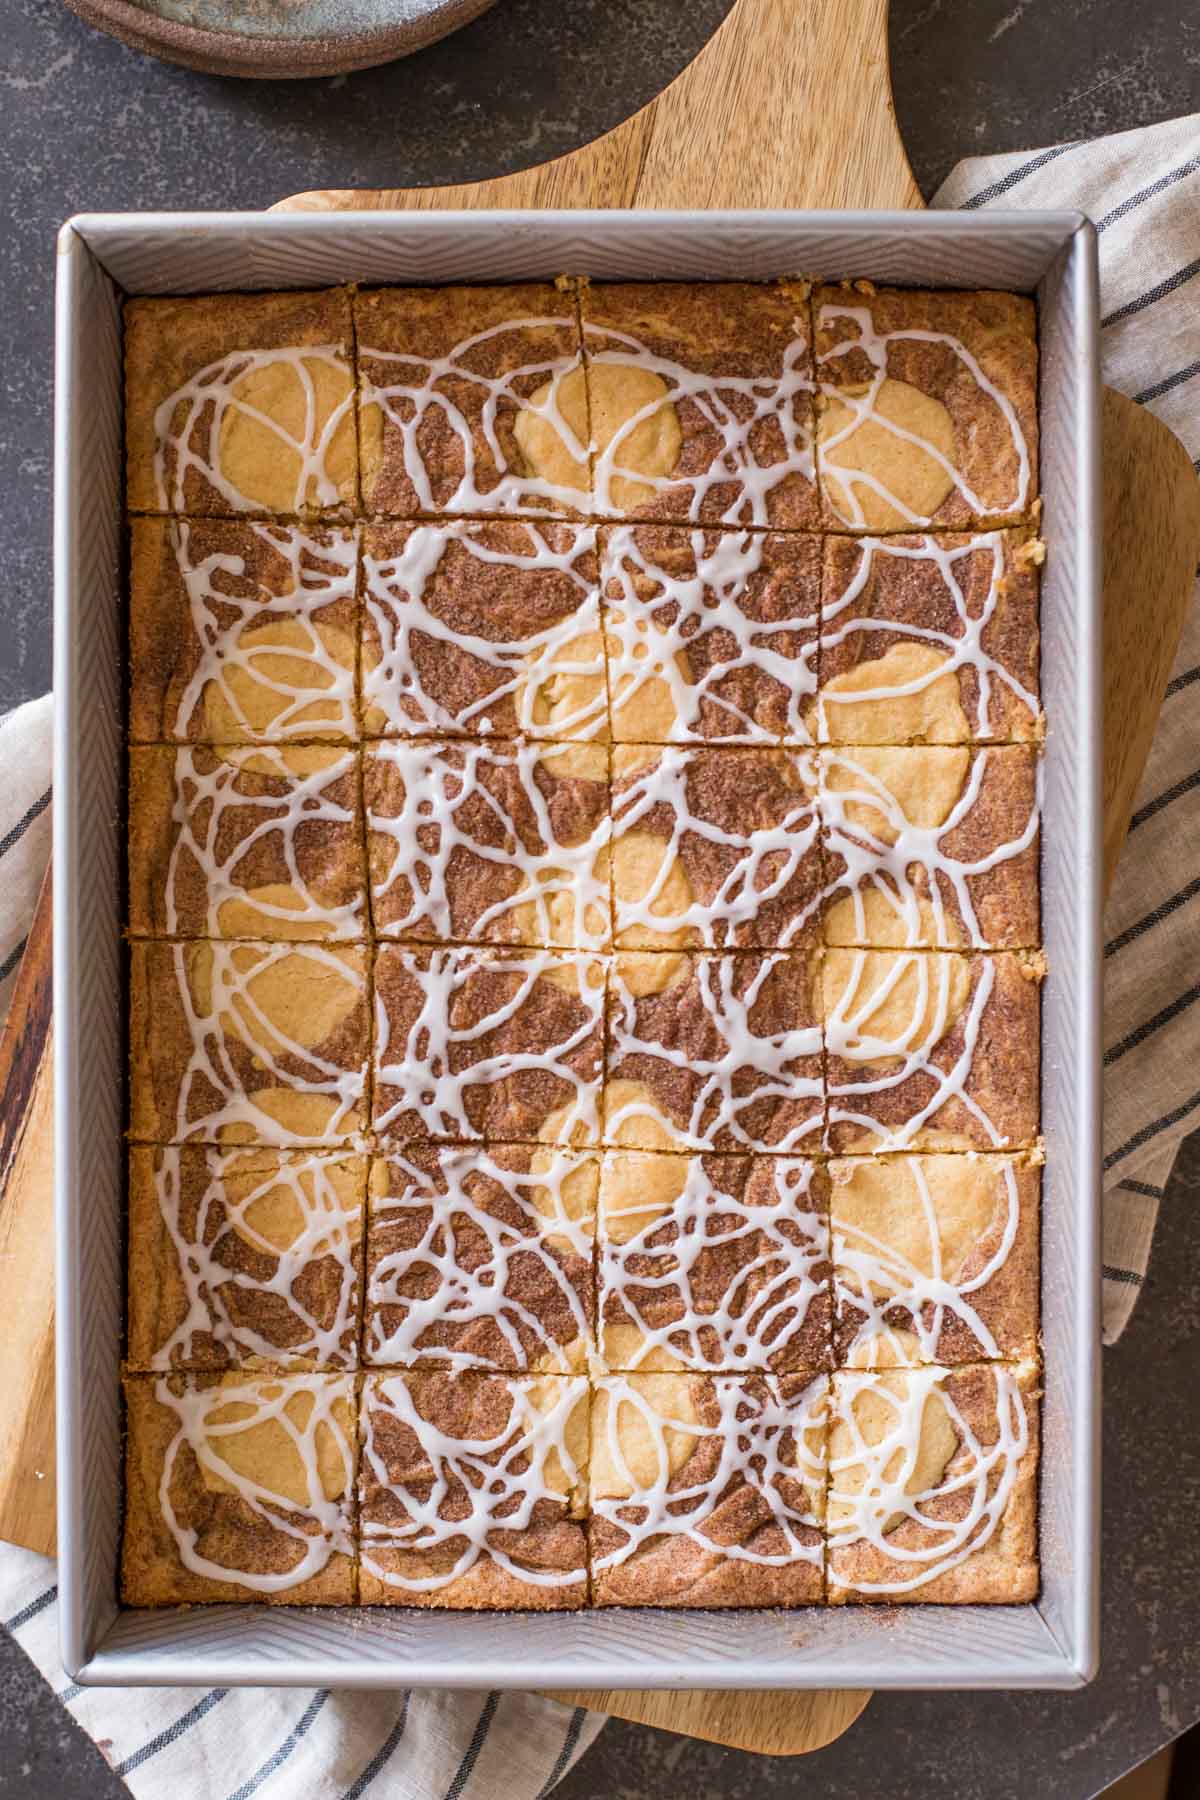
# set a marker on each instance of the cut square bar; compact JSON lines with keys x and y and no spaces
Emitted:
{"x":926,"y":408}
{"x":231,"y":841}
{"x":708,"y":1490}
{"x":931,"y":847}
{"x":935,"y":1259}
{"x":487,"y":1044}
{"x":933,"y":1485}
{"x":700,"y":398}
{"x":241,"y":403}
{"x":471,"y":401}
{"x":241,"y":632}
{"x":243,"y":1259}
{"x":239,"y":1488}
{"x":711,"y":636}
{"x":717,"y":1263}
{"x":715,"y":847}
{"x":238,"y":1043}
{"x":714,"y":1052}
{"x":473,"y":1491}
{"x":930,"y":640}
{"x":489,"y":843}
{"x":483,"y":628}
{"x":481,"y":1257}
{"x":931,"y":1050}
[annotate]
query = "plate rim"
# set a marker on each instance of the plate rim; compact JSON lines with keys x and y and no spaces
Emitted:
{"x":274,"y":57}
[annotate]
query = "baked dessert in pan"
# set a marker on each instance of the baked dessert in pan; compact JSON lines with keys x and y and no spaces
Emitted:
{"x":244,"y":1259}
{"x":710,"y":636}
{"x":709,"y":1052}
{"x":714,"y":1263}
{"x":241,"y":403}
{"x":479,"y":627}
{"x":584,"y":935}
{"x":487,"y":841}
{"x":482,"y":1258}
{"x":241,"y":631}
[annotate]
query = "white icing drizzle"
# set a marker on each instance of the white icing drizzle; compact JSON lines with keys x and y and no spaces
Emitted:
{"x":874,"y":1278}
{"x":911,"y":1052}
{"x":767,"y":857}
{"x":885,"y":868}
{"x":716,"y":1109}
{"x":327,"y":1229}
{"x":562,"y":898}
{"x":979,"y":1480}
{"x":564,"y":682}
{"x":432,"y":1072}
{"x":961,"y":647}
{"x":320,"y":1527}
{"x":322,"y":704}
{"x":647,"y":639}
{"x":863,"y":406}
{"x":399,"y":594}
{"x":736,"y":408}
{"x":487,"y":1486}
{"x":207,"y":400}
{"x":452,"y":1294}
{"x":420,"y":393}
{"x":765,"y":1443}
{"x":203,"y":801}
{"x":235,"y":1014}
{"x":647,"y":1279}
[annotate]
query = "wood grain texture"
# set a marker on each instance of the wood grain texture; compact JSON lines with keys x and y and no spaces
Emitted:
{"x":27,"y":1248}
{"x":787,"y":1723}
{"x":787,"y":105}
{"x":1151,"y":552}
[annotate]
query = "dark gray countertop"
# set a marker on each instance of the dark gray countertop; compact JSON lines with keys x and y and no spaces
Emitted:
{"x":87,"y":124}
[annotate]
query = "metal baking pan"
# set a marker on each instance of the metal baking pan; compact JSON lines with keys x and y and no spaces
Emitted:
{"x":1051,"y":1644}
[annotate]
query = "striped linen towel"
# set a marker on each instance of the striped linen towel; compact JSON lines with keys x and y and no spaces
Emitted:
{"x":297,"y":1743}
{"x":285,"y":1744}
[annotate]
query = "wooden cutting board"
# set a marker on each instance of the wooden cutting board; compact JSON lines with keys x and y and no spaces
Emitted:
{"x":787,"y":106}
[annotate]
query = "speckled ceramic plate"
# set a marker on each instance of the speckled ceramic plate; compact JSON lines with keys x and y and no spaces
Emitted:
{"x":279,"y":39}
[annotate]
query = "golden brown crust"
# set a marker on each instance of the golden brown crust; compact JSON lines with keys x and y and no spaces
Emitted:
{"x":897,"y":611}
{"x":172,"y":343}
{"x":935,"y":846}
{"x":955,"y":1065}
{"x":701,"y":353}
{"x":504,"y":1046}
{"x":482,"y":628}
{"x":711,"y":636}
{"x":935,"y":1259}
{"x":686,"y":1469}
{"x":464,"y":362}
{"x":256,"y":646}
{"x":482,"y":1257}
{"x":976,"y":1486}
{"x":249,"y":1504}
{"x":509,"y":843}
{"x":939,"y":394}
{"x":715,"y":848}
{"x":247,"y":1042}
{"x":709,"y":1053}
{"x":527,"y":1548}
{"x":716,"y":1263}
{"x":231,"y":842}
{"x":250,"y":1259}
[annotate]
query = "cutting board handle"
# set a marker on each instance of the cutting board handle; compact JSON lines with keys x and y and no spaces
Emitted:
{"x":789,"y":104}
